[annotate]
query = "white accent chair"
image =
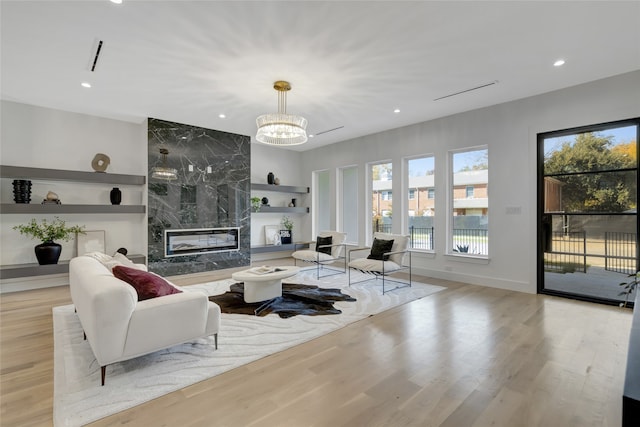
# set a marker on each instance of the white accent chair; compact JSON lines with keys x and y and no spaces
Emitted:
{"x":323,"y":260}
{"x":397,"y":257}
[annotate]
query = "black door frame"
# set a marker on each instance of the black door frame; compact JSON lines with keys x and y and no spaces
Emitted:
{"x":542,"y":217}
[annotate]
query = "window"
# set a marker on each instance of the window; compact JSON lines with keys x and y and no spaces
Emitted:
{"x":469,"y":212}
{"x":349,"y":205}
{"x":421,"y":203}
{"x":381,"y":204}
{"x":469,"y":191}
{"x":322,"y":205}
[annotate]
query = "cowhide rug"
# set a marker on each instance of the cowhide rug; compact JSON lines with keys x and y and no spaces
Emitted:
{"x":296,"y":299}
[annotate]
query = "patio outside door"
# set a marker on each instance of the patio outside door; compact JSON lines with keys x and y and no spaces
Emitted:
{"x":587,"y":210}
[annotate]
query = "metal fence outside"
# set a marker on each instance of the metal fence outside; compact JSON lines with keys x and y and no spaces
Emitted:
{"x":620,"y":252}
{"x":471,"y":240}
{"x":421,"y":238}
{"x":568,"y":252}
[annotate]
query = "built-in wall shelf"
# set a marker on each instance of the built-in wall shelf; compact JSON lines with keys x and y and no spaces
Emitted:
{"x":52,"y":208}
{"x":279,"y":248}
{"x":19,"y":172}
{"x":62,"y":267}
{"x":282,"y":209}
{"x":280,"y":188}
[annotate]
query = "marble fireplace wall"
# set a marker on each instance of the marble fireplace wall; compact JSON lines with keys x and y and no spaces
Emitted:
{"x":212,"y":190}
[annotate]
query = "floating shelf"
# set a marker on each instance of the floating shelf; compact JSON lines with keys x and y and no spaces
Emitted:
{"x":283,"y":209}
{"x":62,"y":267}
{"x":280,"y":188}
{"x":19,"y":172}
{"x":279,"y":248}
{"x":49,"y":208}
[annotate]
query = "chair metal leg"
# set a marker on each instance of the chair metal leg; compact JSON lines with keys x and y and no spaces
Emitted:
{"x":103,"y":371}
{"x":215,"y":339}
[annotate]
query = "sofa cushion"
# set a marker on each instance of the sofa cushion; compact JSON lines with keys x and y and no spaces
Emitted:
{"x":147,"y":285}
{"x":379,"y":248}
{"x":372,"y":265}
{"x":323,"y":241}
{"x":112,"y":261}
{"x":311,"y":256}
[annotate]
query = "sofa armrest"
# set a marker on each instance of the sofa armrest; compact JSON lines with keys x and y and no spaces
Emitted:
{"x":165,"y":321}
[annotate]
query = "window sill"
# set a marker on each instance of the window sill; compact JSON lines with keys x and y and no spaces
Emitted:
{"x":474,"y":259}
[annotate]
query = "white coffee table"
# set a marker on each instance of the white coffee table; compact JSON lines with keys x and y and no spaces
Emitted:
{"x":262,"y":287}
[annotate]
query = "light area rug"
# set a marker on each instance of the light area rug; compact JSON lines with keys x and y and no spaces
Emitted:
{"x":79,"y":399}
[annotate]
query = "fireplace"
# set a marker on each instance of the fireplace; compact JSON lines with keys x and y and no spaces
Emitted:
{"x":201,"y":241}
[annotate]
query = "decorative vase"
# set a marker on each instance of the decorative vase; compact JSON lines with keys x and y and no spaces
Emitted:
{"x":21,"y":190}
{"x":48,"y":252}
{"x":276,"y":181}
{"x":270,"y":178}
{"x":115,"y":196}
{"x":265,"y":201}
{"x":285,"y":236}
{"x":293,"y":203}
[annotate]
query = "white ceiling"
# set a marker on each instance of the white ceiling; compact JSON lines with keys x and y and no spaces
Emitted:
{"x":349,"y":63}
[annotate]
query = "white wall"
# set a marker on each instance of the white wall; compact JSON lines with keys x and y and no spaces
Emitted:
{"x":509,"y":130}
{"x":45,"y":138}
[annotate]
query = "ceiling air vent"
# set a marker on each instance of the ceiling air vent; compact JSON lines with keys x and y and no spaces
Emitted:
{"x":467,"y":90}
{"x":329,"y":130}
{"x":97,"y":47}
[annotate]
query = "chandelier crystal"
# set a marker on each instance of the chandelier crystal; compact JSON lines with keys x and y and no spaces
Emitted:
{"x":164,"y":172}
{"x":281,"y":128}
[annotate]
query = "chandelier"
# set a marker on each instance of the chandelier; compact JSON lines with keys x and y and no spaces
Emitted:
{"x":281,"y":128}
{"x":164,"y":172}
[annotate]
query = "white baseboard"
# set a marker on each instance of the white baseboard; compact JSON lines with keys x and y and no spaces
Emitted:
{"x":491,"y":282}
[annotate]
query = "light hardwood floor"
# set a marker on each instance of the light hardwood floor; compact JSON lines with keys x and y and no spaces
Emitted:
{"x":468,"y":356}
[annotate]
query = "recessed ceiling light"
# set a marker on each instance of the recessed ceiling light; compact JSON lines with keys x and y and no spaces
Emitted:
{"x":559,"y":63}
{"x":85,"y":84}
{"x":311,"y":136}
{"x":397,"y":110}
{"x":222,"y":116}
{"x":116,"y":1}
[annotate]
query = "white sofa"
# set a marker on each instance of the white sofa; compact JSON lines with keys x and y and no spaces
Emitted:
{"x":119,"y":327}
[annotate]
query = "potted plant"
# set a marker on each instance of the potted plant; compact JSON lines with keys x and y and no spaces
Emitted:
{"x":629,"y":287}
{"x":48,"y":252}
{"x":255,"y":203}
{"x":286,"y":234}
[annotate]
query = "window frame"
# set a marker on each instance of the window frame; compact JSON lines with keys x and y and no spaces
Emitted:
{"x":451,"y":208}
{"x":426,"y":243}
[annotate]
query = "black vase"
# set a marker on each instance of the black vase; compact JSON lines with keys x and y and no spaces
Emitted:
{"x":21,"y":190}
{"x":115,"y":196}
{"x":48,"y":253}
{"x":286,"y":236}
{"x":270,"y":178}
